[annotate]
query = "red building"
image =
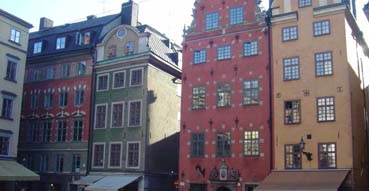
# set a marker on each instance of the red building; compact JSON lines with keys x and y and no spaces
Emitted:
{"x":225,"y":141}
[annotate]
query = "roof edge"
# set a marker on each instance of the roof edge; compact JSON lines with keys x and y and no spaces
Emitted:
{"x":16,"y":19}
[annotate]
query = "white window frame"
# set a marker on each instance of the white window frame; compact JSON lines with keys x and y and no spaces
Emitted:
{"x":60,"y":43}
{"x":125,"y":77}
{"x":106,"y":115}
{"x":16,"y":37}
{"x":78,"y":38}
{"x":139,"y":154}
{"x":93,"y":155}
{"x":37,"y":47}
{"x":98,"y":83}
{"x":111,"y":114}
{"x":120,"y":157}
{"x":130,"y":76}
{"x":129,"y":113}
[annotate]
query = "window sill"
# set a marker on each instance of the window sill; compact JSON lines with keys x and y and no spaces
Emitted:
{"x":10,"y":80}
{"x":250,"y":104}
{"x":251,"y":55}
{"x":134,"y":126}
{"x":224,"y":59}
{"x":6,"y":118}
{"x":290,"y":40}
{"x":15,"y":43}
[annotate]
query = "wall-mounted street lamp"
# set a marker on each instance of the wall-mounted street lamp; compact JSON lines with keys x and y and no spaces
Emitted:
{"x":302,"y":148}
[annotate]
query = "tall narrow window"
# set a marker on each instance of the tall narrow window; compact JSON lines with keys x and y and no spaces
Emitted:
{"x":14,"y":36}
{"x":289,"y":33}
{"x":100,"y":116}
{"x":327,"y":155}
{"x":59,"y":163}
{"x":98,"y":155}
{"x":47,"y":130}
{"x":77,"y":130}
{"x":133,"y":155}
{"x":33,"y":102}
{"x":50,"y":73}
{"x":136,"y":77}
{"x":212,"y":21}
{"x":224,"y":52}
{"x":60,"y":43}
{"x":250,"y":48}
{"x":63,"y":99}
{"x":45,"y":163}
{"x":62,"y":131}
{"x":76,"y":163}
{"x":7,"y":109}
{"x":322,"y":28}
{"x":236,"y":15}
{"x":86,"y":38}
{"x":117,"y":115}
{"x":323,"y":64}
{"x":291,"y":68}
{"x":135,"y":113}
{"x":292,"y":112}
{"x":48,"y":100}
{"x":11,"y":70}
{"x":326,"y":111}
{"x":78,"y":38}
{"x":251,"y":143}
{"x":115,"y":155}
{"x":36,"y":135}
{"x":4,"y":145}
{"x":65,"y":71}
{"x":292,"y":156}
{"x":81,"y":68}
{"x":250,"y":92}
{"x":223,"y":144}
{"x":130,"y":47}
{"x":198,"y":98}
{"x":37,"y":47}
{"x":197,"y":144}
{"x":79,"y":97}
{"x":199,"y":56}
{"x":224,"y":94}
{"x":119,"y":79}
{"x":102,"y":82}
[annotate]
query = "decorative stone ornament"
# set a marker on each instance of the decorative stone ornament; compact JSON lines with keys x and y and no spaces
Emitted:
{"x":121,"y":33}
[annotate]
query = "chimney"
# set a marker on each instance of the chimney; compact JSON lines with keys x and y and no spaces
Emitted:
{"x":90,"y":17}
{"x":129,"y":13}
{"x":45,"y":23}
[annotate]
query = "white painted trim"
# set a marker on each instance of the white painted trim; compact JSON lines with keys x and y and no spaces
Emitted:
{"x":129,"y":113}
{"x":111,"y":114}
{"x":106,"y":115}
{"x":97,"y":84}
{"x":125,"y":81}
{"x":121,"y":152}
{"x":130,"y":76}
{"x":119,"y":68}
{"x":139,"y":154}
{"x":93,"y":155}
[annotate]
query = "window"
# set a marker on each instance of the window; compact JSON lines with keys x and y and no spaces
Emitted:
{"x":79,"y":97}
{"x":76,"y":163}
{"x":289,"y":33}
{"x":292,"y":112}
{"x":251,"y":143}
{"x":223,"y":144}
{"x":321,"y":28}
{"x":135,"y":113}
{"x":136,"y":77}
{"x":59,"y":163}
{"x":198,"y":98}
{"x":197,"y":144}
{"x":199,"y":56}
{"x":86,"y":38}
{"x":323,"y":64}
{"x":117,"y":115}
{"x":44,"y":163}
{"x":212,"y":21}
{"x":112,"y":51}
{"x":100,"y":116}
{"x":224,"y":94}
{"x":326,"y":109}
{"x":77,"y":130}
{"x":304,"y":3}
{"x":7,"y":110}
{"x":327,"y":155}
{"x":47,"y":130}
{"x":60,"y":43}
{"x":250,"y":92}
{"x":48,"y":101}
{"x":63,"y":99}
{"x":50,"y":73}
{"x":130,"y":47}
{"x":36,"y":135}
{"x":102,"y":82}
{"x":291,"y":68}
{"x":115,"y":154}
{"x":33,"y":102}
{"x":98,"y":155}
{"x":14,"y":36}
{"x":65,"y":71}
{"x":4,"y":145}
{"x":235,"y":15}
{"x":224,"y":52}
{"x":35,"y":75}
{"x":11,"y":70}
{"x":62,"y":131}
{"x":250,"y":48}
{"x":78,"y":38}
{"x":119,"y":80}
{"x":37,"y":47}
{"x":81,"y":68}
{"x":292,"y":156}
{"x":133,"y":155}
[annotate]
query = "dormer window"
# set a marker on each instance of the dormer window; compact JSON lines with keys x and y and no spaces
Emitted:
{"x":86,"y":38}
{"x":130,"y":47}
{"x":78,"y":38}
{"x":60,"y":43}
{"x":37,"y":47}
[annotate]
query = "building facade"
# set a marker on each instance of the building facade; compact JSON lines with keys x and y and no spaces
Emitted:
{"x":13,"y":50}
{"x":57,"y":100}
{"x":318,"y":106}
{"x":135,"y":135}
{"x":224,"y":146}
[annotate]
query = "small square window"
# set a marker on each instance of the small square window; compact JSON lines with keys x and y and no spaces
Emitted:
{"x":250,"y":48}
{"x":199,"y":56}
{"x":212,"y":21}
{"x":289,"y":33}
{"x":224,"y":52}
{"x":102,"y":82}
{"x":322,"y":28}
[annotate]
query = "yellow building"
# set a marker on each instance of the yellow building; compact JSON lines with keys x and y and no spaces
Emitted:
{"x":318,"y":113}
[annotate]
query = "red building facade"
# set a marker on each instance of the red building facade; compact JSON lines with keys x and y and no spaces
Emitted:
{"x":225,"y":133}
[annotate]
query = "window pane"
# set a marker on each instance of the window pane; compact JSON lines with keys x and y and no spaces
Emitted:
{"x":250,"y":92}
{"x":119,"y":80}
{"x":100,"y":116}
{"x":291,"y":68}
{"x":212,"y":21}
{"x":117,"y":115}
{"x":292,"y":112}
{"x":236,"y":15}
{"x":223,"y":144}
{"x":224,"y":94}
{"x":198,"y":98}
{"x":135,"y":113}
{"x":292,"y":157}
{"x":224,"y":52}
{"x":251,"y":143}
{"x":199,"y":56}
{"x":133,"y":154}
{"x":250,"y":48}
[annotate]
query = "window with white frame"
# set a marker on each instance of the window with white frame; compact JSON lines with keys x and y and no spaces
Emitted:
{"x":323,"y":64}
{"x":100,"y":116}
{"x":289,"y":33}
{"x":48,"y":100}
{"x":135,"y":113}
{"x":86,"y":38}
{"x":326,"y":111}
{"x":77,"y":129}
{"x":14,"y":36}
{"x":119,"y":79}
{"x":115,"y":155}
{"x":236,"y":15}
{"x":37,"y":47}
{"x":250,"y":48}
{"x":199,"y":56}
{"x":321,"y":28}
{"x":136,"y":77}
{"x":4,"y":145}
{"x":117,"y":114}
{"x":224,"y":52}
{"x":7,"y":109}
{"x":62,"y":131}
{"x":133,"y":155}
{"x":250,"y":92}
{"x":79,"y":97}
{"x":76,"y":163}
{"x":102,"y":82}
{"x":60,"y":43}
{"x":11,"y":70}
{"x":98,"y":155}
{"x":212,"y":21}
{"x":63,"y":99}
{"x":81,"y":68}
{"x":59,"y":163}
{"x":78,"y":38}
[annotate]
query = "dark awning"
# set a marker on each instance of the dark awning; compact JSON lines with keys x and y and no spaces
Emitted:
{"x":112,"y":183}
{"x":329,"y":180}
{"x":13,"y":171}
{"x":87,"y":180}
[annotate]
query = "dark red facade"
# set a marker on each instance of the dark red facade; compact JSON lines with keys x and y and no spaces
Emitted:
{"x":243,"y":171}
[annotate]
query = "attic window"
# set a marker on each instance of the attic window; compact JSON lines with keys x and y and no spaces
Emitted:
{"x":112,"y":51}
{"x":60,"y":43}
{"x":86,"y":38}
{"x":130,"y":47}
{"x":78,"y":38}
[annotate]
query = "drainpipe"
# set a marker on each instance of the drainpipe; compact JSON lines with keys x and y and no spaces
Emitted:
{"x":268,"y":22}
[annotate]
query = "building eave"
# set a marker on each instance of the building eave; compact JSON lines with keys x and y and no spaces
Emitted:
{"x":15,"y":19}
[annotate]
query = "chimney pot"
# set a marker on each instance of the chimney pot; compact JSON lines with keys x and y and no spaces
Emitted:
{"x":129,"y":13}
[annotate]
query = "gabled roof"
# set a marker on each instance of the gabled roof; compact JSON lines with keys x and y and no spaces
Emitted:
{"x":15,"y":19}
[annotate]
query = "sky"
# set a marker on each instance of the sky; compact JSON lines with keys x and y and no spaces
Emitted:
{"x":167,"y":16}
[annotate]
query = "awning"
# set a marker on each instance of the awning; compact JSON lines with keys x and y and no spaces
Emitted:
{"x":303,"y":180}
{"x":87,"y":180}
{"x":111,"y":183}
{"x":13,"y":171}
